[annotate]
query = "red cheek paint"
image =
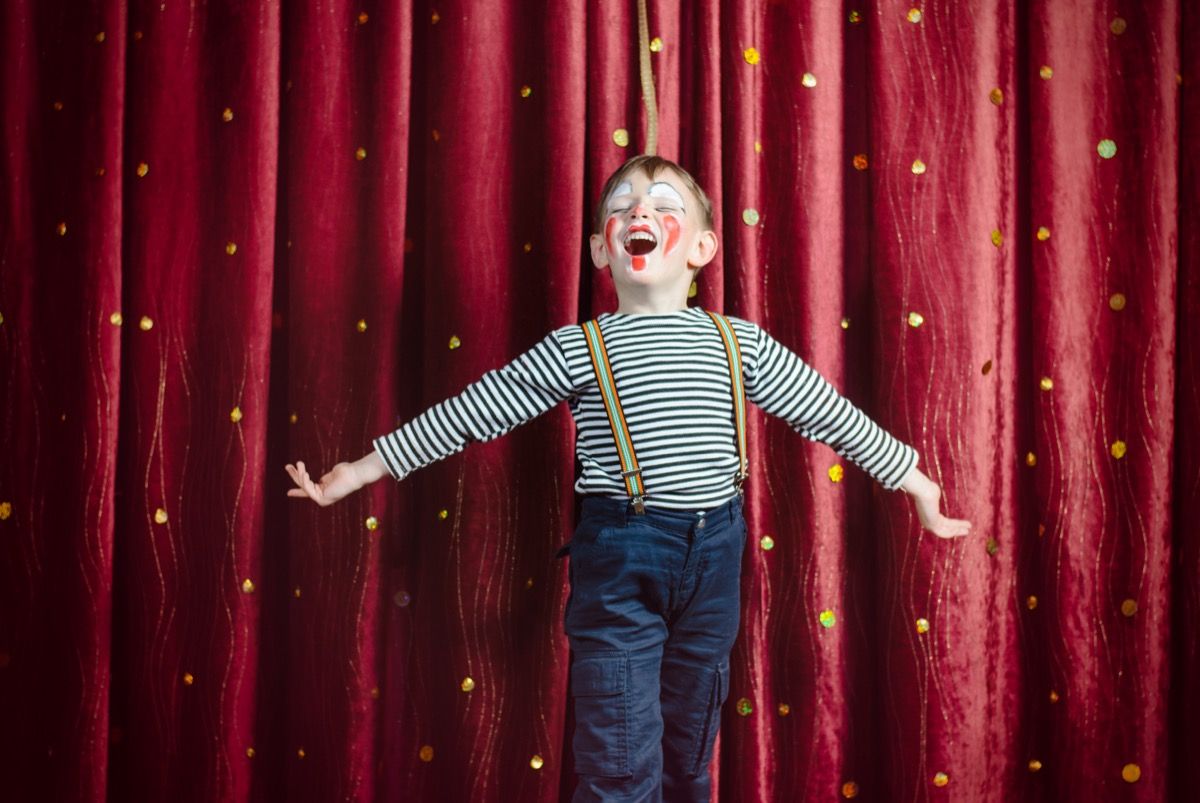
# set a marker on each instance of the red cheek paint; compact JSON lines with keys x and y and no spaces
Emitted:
{"x":610,"y":228}
{"x":639,"y":263}
{"x":671,"y":225}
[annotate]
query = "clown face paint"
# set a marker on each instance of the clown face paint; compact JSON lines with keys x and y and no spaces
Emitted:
{"x":610,"y":228}
{"x":670,"y":223}
{"x":640,"y":220}
{"x":624,"y":188}
{"x":661,"y":189}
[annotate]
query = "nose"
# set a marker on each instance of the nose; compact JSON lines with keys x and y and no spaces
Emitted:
{"x":640,"y":209}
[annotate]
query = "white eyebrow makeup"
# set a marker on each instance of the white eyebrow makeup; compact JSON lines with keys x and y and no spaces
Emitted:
{"x":661,"y":189}
{"x":624,"y":188}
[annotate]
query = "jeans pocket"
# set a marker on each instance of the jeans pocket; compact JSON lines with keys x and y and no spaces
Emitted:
{"x":599,"y":684}
{"x":718,"y":691}
{"x":590,"y":530}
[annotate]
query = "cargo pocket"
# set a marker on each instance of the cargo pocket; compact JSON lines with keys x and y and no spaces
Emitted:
{"x":599,"y":684}
{"x":706,"y":735}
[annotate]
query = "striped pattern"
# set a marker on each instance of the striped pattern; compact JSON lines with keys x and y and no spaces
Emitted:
{"x":733,"y":353}
{"x":671,"y":371}
{"x":630,"y":470}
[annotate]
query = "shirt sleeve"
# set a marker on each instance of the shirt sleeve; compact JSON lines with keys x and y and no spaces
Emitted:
{"x":501,"y":400}
{"x":782,"y":384}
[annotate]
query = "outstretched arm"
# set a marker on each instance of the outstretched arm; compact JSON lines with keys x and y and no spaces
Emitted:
{"x":782,"y":384}
{"x":498,"y":402}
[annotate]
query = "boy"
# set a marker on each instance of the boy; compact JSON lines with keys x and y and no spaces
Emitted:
{"x":657,"y":391}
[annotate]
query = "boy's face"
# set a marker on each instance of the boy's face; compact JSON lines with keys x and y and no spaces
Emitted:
{"x":652,"y":233}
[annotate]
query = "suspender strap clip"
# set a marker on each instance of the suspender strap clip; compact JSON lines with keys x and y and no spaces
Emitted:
{"x":639,"y":498}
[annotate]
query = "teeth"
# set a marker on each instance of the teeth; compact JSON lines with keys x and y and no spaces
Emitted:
{"x":641,"y":235}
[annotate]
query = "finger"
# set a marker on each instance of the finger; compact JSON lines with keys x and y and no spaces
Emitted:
{"x":949,"y":528}
{"x":300,"y":492}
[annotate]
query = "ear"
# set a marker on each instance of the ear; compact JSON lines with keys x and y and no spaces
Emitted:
{"x":703,"y":249}
{"x":599,"y":251}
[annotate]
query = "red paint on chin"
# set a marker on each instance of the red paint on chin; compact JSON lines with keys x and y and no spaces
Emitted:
{"x":639,"y":263}
{"x":671,"y":225}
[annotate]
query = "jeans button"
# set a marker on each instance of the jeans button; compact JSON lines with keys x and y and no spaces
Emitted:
{"x":700,"y":524}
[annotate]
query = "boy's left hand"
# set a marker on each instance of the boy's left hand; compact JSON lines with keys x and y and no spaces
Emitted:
{"x":927,"y":498}
{"x":932,"y":519}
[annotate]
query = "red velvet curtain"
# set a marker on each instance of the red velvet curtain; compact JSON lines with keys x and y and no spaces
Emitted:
{"x":239,"y":234}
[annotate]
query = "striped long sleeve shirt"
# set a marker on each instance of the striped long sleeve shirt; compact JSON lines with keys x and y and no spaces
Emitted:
{"x":672,"y":376}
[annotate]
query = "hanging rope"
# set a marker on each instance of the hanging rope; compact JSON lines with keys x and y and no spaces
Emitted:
{"x":647,"y":73}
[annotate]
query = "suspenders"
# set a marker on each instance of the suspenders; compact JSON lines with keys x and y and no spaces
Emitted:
{"x":733,"y":354}
{"x":631,"y":471}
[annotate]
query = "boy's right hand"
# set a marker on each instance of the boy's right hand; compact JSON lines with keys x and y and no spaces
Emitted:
{"x":341,"y":480}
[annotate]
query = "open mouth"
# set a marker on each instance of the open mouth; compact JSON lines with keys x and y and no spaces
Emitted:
{"x":639,"y":243}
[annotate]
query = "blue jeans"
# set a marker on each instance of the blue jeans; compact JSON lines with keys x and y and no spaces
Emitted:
{"x":651,"y":617}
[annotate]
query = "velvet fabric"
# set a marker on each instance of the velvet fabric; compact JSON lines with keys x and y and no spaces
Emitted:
{"x":235,"y":235}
